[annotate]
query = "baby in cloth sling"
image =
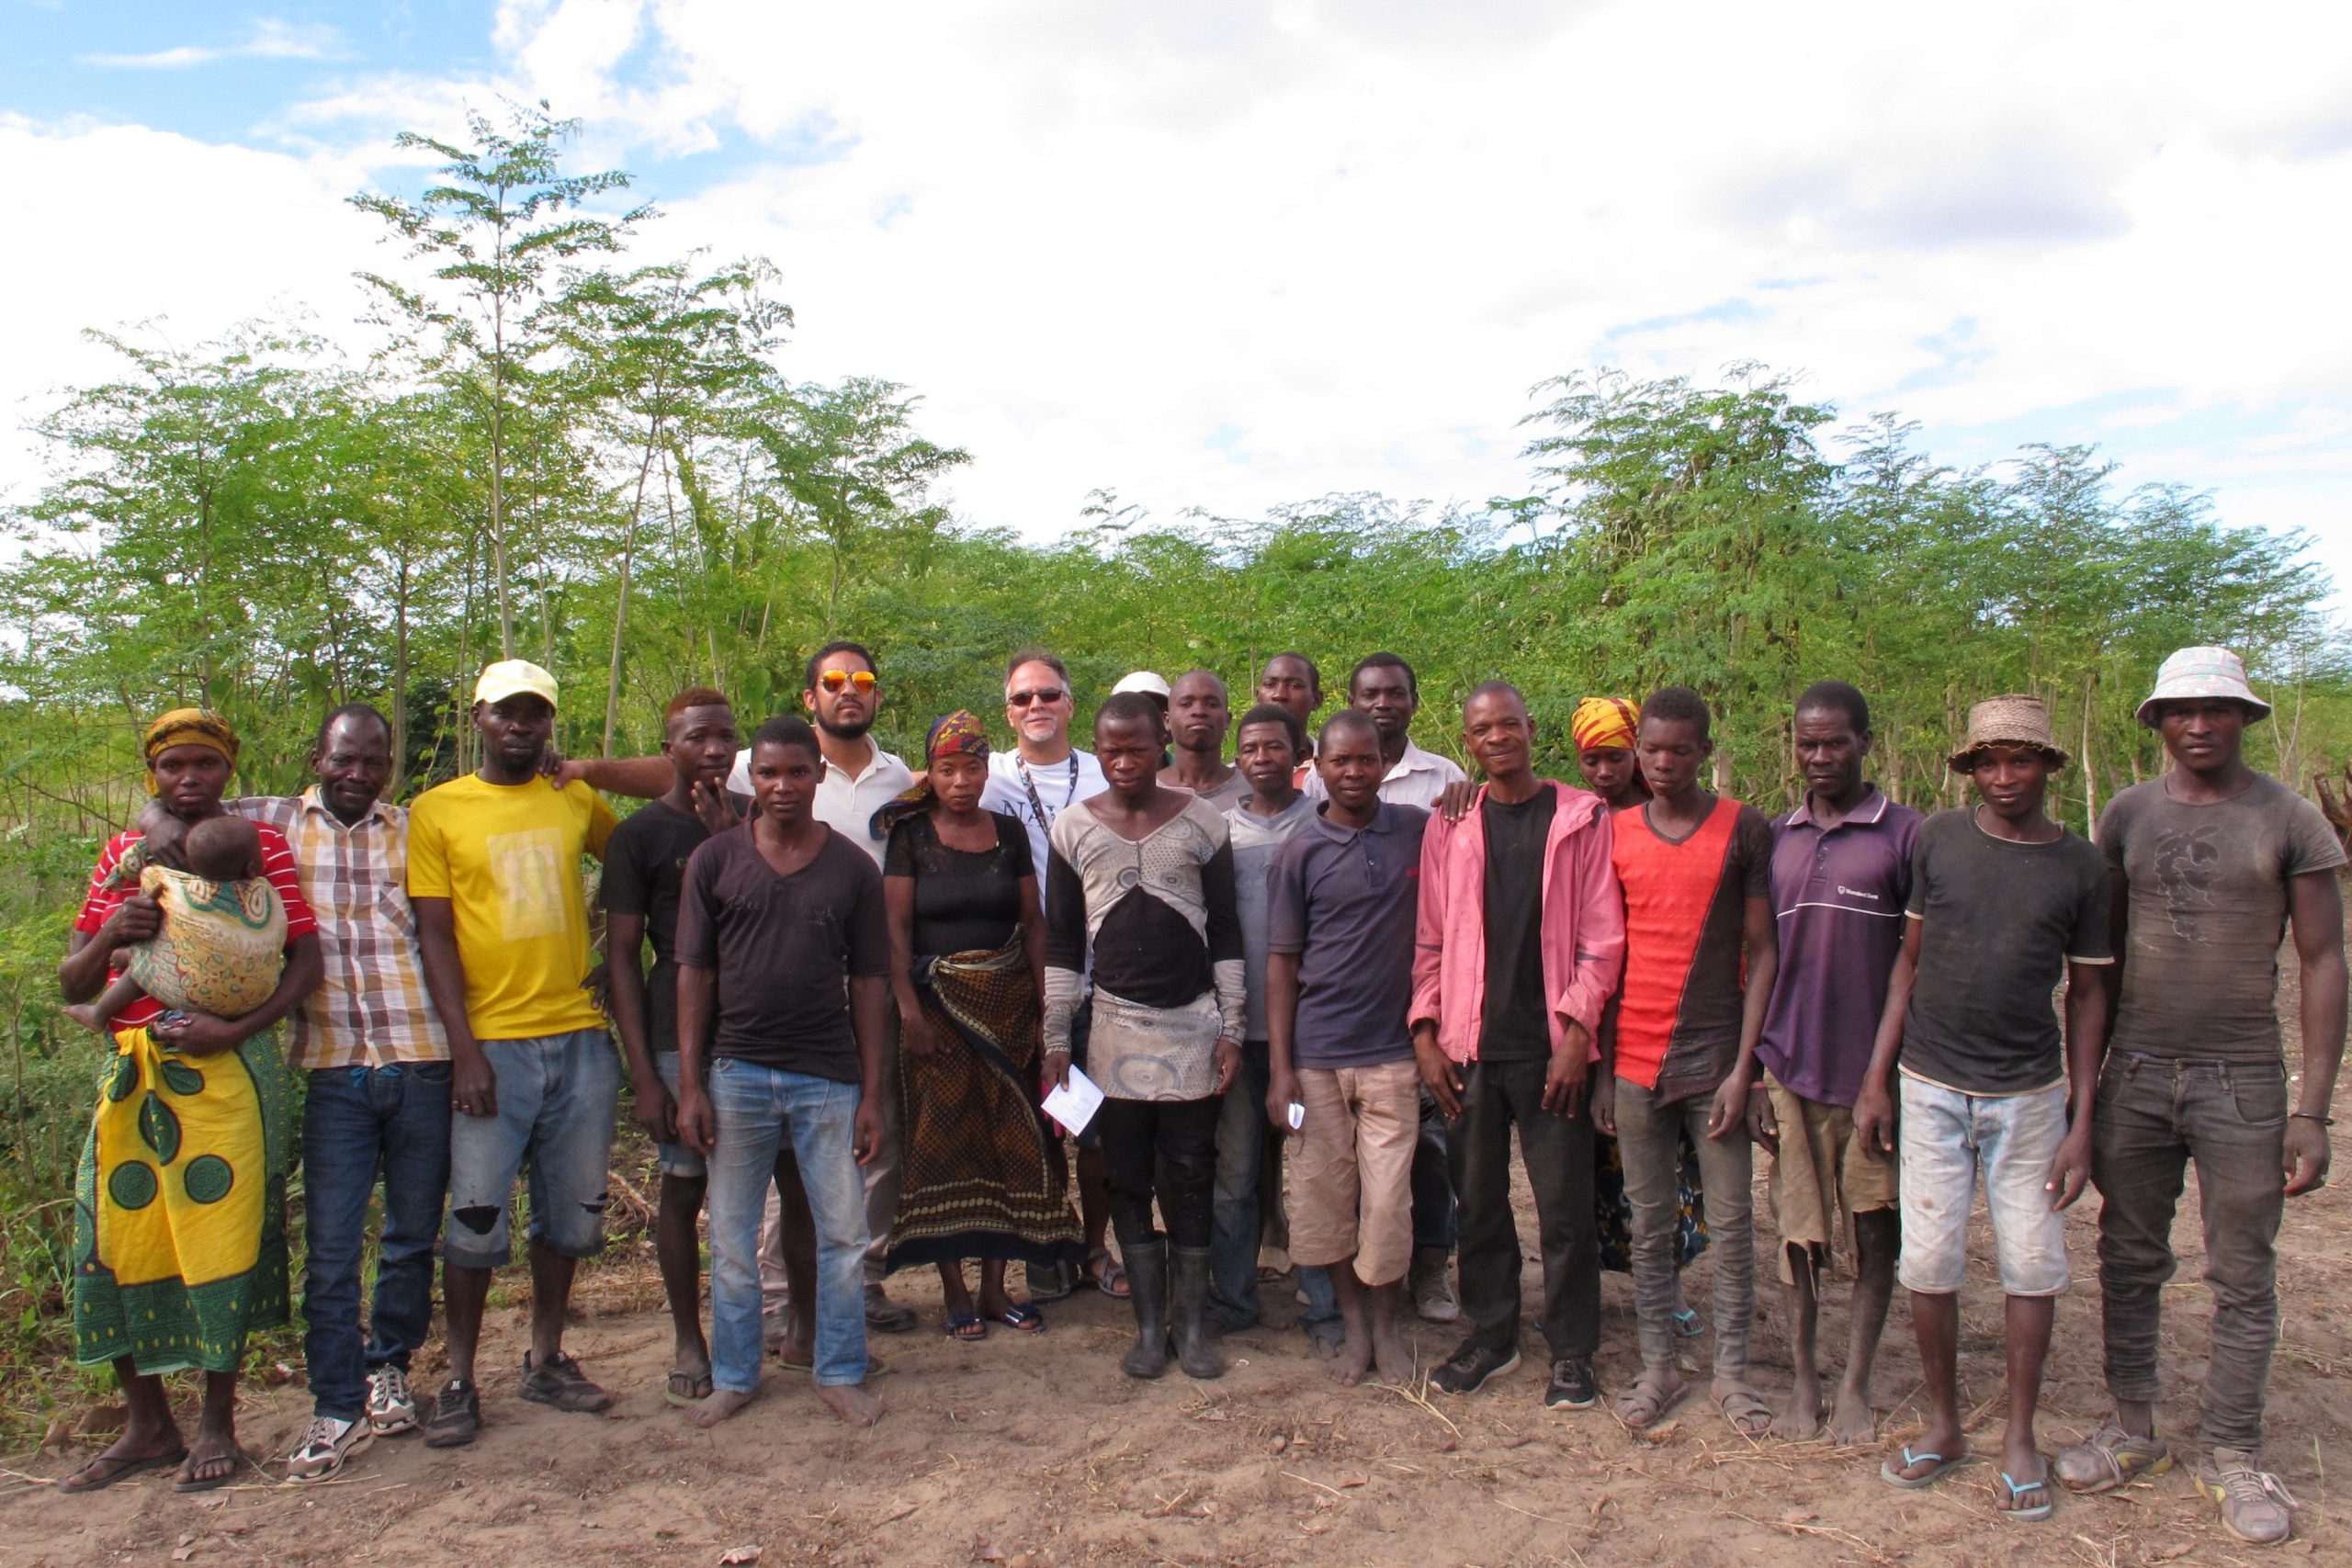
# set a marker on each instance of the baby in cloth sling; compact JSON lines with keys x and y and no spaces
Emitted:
{"x":221,"y":948}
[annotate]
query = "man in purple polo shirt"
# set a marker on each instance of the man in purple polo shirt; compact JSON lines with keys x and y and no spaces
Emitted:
{"x":1842,"y":873}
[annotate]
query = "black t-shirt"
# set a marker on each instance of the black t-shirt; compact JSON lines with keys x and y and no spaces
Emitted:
{"x":2001,"y":919}
{"x":966,"y":900}
{"x":1513,"y":1027}
{"x":645,"y":864}
{"x":784,"y":947}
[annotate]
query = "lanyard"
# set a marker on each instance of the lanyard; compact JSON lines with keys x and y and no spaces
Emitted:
{"x":1045,"y":819}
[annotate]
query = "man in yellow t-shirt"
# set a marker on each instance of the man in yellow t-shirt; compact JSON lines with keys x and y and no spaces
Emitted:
{"x":493,"y":875}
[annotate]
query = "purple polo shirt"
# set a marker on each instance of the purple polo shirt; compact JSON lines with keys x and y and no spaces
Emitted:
{"x":1839,"y":896}
{"x":1344,"y":900}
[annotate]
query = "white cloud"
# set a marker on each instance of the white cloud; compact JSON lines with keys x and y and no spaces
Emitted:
{"x":269,"y":40}
{"x":1233,"y":254}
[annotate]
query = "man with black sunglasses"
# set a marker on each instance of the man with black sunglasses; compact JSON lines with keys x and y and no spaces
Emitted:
{"x":1043,"y":777}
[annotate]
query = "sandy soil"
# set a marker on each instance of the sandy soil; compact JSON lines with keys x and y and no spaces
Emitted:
{"x":1035,"y":1451}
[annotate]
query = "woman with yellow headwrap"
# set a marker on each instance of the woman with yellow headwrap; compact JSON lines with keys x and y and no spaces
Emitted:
{"x":179,"y":1214}
{"x":983,"y":1175}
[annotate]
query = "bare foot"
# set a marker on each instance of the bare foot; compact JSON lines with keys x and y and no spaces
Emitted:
{"x":721,"y":1403}
{"x":851,"y":1402}
{"x":85,"y":1015}
{"x":1351,"y":1360}
{"x":1800,"y":1419}
{"x":1854,"y":1423}
{"x":1389,"y":1352}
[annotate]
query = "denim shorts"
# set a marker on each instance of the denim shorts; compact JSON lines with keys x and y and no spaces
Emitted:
{"x":556,"y":1099}
{"x":1952,"y":1143}
{"x":675,"y":1159}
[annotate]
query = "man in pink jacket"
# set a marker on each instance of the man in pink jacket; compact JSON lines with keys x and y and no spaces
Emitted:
{"x":1521,"y":936}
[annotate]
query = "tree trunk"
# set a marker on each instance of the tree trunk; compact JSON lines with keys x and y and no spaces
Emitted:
{"x":2090,"y":774}
{"x":620,"y":601}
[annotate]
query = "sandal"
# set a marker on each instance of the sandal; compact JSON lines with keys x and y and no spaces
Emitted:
{"x":1645,"y":1407}
{"x":967,"y":1326}
{"x":1112,"y":1279}
{"x":72,"y":1485}
{"x":1022,"y":1319}
{"x":687,"y":1388}
{"x":205,"y":1477}
{"x":1890,"y":1470}
{"x":1686,"y":1324}
{"x":2031,"y":1513}
{"x":1746,"y":1412}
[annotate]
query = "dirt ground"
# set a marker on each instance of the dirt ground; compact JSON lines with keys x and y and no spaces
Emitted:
{"x":1037,"y":1451}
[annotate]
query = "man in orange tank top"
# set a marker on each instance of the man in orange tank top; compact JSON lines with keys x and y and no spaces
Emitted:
{"x":1681,"y":1050}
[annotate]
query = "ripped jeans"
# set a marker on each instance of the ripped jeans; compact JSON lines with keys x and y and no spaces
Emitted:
{"x":556,"y":1097}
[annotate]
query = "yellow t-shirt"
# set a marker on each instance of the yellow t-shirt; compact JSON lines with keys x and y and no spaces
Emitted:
{"x":507,"y":858}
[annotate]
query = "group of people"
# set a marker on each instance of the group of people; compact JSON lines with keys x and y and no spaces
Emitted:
{"x":1315,"y":990}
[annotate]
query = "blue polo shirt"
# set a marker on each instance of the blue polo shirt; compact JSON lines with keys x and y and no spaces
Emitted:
{"x":1839,"y":896}
{"x":1344,"y":900}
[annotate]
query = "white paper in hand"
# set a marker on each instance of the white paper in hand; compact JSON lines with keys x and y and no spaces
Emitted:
{"x":1074,"y":1104}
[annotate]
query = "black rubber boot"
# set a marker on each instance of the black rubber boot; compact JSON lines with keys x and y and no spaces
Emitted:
{"x":1146,"y":1266}
{"x":1188,"y":1304}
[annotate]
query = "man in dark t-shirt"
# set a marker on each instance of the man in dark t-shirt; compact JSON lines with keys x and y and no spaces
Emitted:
{"x":2210,"y":862}
{"x":783,"y":955}
{"x":2003,"y":903}
{"x":645,"y":866}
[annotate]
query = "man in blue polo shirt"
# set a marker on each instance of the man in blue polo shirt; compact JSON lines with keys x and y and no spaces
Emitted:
{"x":1342,"y":894}
{"x":1842,"y":873}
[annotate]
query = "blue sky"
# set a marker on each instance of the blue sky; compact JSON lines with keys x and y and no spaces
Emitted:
{"x":1231,"y":254}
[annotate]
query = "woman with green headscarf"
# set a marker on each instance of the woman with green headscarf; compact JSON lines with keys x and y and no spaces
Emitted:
{"x":179,"y":1213}
{"x":983,"y":1175}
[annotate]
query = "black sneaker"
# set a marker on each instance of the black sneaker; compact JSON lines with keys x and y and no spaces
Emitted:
{"x":1469,"y":1369}
{"x":1572,"y":1385}
{"x":456,"y":1415}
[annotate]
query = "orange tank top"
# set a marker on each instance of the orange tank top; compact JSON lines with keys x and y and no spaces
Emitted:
{"x":1669,"y":889}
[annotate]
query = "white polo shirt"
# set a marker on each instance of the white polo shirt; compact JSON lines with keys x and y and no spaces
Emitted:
{"x":1418,"y":779}
{"x":845,"y":802}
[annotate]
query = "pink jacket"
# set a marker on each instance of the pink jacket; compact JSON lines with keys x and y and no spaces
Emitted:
{"x":1583,"y":937}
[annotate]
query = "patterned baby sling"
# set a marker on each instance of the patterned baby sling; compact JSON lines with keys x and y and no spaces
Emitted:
{"x":222,"y":945}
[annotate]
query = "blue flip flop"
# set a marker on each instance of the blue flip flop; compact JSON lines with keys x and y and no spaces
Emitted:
{"x":2027,"y":1515}
{"x":961,"y":1326}
{"x":1891,"y":1472}
{"x":1686,"y":1324}
{"x":1022,"y":1319}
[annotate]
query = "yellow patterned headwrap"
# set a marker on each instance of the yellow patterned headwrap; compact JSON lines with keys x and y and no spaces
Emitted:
{"x":185,"y":726}
{"x":1605,"y":724}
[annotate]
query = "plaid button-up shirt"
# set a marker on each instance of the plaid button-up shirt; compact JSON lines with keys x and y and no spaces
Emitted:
{"x":372,"y":1009}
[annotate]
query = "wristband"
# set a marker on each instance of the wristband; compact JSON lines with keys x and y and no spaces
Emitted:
{"x":2311,"y":1116}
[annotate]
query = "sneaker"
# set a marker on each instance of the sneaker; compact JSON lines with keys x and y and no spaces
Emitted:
{"x":2110,"y":1456}
{"x":456,"y":1415}
{"x":1469,"y":1369}
{"x":558,"y":1381}
{"x":2255,"y":1505}
{"x":1573,"y":1387}
{"x":326,"y":1447}
{"x":391,"y":1406}
{"x":1433,"y":1295}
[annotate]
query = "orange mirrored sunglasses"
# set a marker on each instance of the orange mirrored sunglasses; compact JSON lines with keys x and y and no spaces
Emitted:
{"x":836,"y":680}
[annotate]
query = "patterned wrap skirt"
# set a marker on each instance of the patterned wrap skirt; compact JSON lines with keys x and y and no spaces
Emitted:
{"x":179,"y":1211}
{"x":983,"y":1175}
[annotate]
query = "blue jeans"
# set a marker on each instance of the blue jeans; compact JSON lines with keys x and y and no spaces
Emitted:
{"x":762,"y":1113}
{"x":1956,"y":1144}
{"x":361,"y":1124}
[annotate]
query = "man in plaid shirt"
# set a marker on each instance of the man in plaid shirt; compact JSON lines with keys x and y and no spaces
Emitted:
{"x":378,"y":1091}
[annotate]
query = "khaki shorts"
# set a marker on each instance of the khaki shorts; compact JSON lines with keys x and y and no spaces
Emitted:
{"x":1352,"y":1168}
{"x":1822,"y":1168}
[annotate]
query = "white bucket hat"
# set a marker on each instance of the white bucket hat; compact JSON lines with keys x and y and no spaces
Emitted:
{"x":2203,"y":672}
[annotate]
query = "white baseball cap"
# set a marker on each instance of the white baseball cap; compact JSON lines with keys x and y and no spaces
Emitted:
{"x":1143,"y":681}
